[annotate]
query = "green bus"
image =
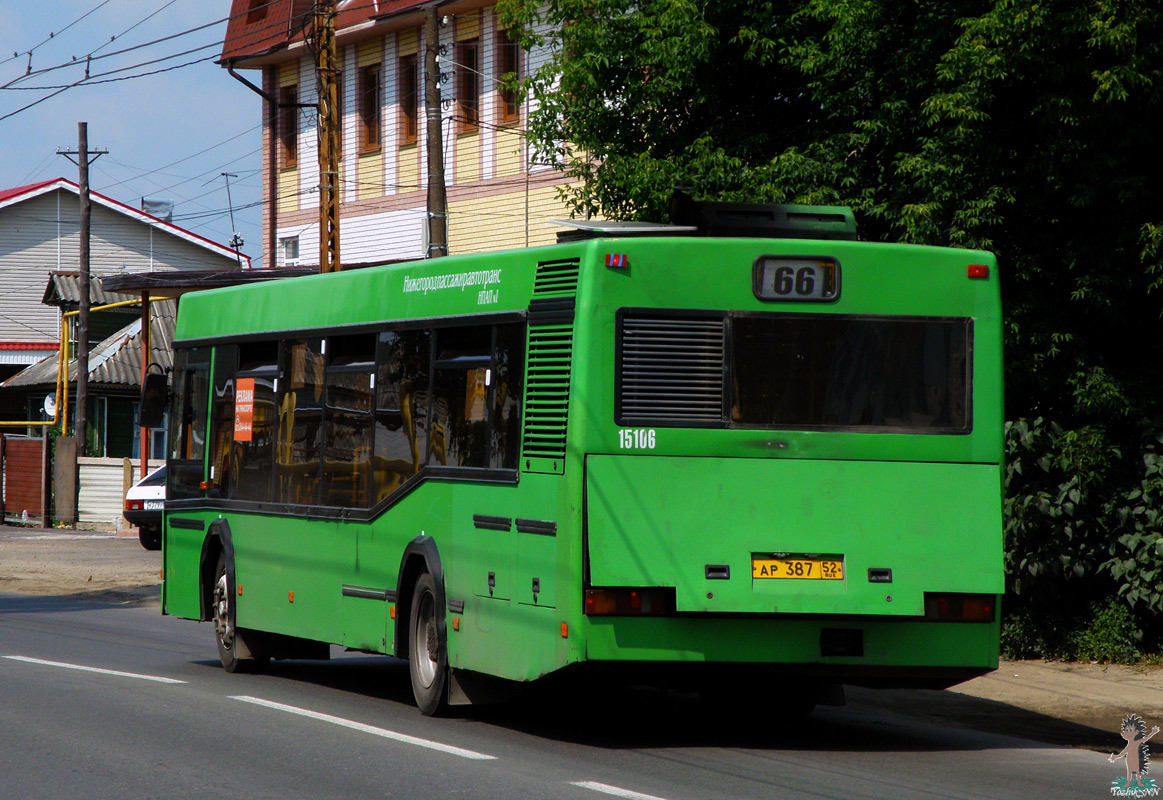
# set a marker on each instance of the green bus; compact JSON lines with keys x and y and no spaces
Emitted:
{"x":751,"y":449}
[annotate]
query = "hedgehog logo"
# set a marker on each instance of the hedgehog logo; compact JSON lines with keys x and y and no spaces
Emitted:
{"x":1137,"y":756}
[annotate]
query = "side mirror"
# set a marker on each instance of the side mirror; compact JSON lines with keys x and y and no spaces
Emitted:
{"x":155,"y":394}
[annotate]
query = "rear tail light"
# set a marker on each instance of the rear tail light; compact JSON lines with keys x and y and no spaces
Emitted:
{"x":961,"y":607}
{"x":629,"y":602}
{"x":133,"y":505}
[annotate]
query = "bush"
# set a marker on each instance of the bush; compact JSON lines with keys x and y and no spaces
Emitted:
{"x":1108,"y":632}
{"x":1055,"y":540}
{"x":1083,"y":540}
{"x":1136,"y":548}
{"x":1110,"y":635}
{"x":1024,"y":636}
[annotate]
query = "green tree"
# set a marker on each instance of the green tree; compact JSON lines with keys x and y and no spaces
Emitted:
{"x":1030,"y":128}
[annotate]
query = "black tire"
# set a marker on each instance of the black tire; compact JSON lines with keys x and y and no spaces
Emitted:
{"x":230,"y":639}
{"x":427,"y":651}
{"x":150,"y":538}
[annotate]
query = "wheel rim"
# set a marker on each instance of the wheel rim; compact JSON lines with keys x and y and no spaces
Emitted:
{"x":425,"y":644}
{"x":222,"y":625}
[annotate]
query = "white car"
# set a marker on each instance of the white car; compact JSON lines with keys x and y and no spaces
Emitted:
{"x":144,"y":503}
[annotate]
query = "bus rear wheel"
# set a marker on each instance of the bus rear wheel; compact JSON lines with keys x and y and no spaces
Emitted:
{"x":230,"y":640}
{"x":427,"y":656}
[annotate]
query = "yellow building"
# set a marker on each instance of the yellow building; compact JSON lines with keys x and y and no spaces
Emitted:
{"x":499,"y":196}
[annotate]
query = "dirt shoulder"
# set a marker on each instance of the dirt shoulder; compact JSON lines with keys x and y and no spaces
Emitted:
{"x":98,"y":566}
{"x":1079,"y":705}
{"x":1070,"y":704}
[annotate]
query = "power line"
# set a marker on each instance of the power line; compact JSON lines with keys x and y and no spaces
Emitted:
{"x":88,"y":60}
{"x":249,"y":32}
{"x":27,"y":178}
{"x":208,"y":149}
{"x":140,"y":22}
{"x":95,"y":80}
{"x":275,"y":24}
{"x":90,"y":57}
{"x":37,"y":102}
{"x":225,"y":43}
{"x":145,"y":173}
{"x":51,"y":36}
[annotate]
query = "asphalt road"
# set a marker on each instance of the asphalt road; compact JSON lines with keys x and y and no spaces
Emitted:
{"x":101,"y":700}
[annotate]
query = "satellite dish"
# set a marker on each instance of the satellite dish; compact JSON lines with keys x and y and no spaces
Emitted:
{"x":50,"y":405}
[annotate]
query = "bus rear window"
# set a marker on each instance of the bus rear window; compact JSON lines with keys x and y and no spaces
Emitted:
{"x":828,"y":371}
{"x":795,"y":371}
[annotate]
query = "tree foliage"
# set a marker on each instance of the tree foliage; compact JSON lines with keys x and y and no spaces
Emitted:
{"x":1032,"y":128}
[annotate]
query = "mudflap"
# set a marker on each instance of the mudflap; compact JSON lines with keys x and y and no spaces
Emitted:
{"x":466,"y":687}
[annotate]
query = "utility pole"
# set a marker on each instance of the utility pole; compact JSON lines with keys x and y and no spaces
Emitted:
{"x":236,"y":238}
{"x":437,"y":200}
{"x":82,"y":162}
{"x":327,"y":72}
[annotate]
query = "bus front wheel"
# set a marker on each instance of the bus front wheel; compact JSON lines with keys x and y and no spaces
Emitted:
{"x":427,"y":659}
{"x":232,"y":649}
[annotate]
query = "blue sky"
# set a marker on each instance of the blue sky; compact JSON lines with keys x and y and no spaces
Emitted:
{"x":169,"y":134}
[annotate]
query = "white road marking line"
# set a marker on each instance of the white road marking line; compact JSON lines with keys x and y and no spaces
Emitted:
{"x":98,"y":670}
{"x":359,"y":726}
{"x":605,"y":788}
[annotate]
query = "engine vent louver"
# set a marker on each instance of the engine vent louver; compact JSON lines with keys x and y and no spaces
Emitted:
{"x":671,"y":368}
{"x":556,"y":278}
{"x":548,"y":368}
{"x":547,"y":391}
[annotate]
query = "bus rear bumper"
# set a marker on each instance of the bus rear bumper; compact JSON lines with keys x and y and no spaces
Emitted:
{"x":885,"y":653}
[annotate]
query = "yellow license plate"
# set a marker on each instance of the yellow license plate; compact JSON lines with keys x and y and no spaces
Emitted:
{"x":820,"y":569}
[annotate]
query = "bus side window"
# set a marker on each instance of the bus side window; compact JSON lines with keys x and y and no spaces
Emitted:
{"x":254,"y":432}
{"x":188,"y":423}
{"x":222,"y":421}
{"x":508,"y":392}
{"x":299,"y":438}
{"x":348,"y":421}
{"x":460,"y":387}
{"x":401,"y":408}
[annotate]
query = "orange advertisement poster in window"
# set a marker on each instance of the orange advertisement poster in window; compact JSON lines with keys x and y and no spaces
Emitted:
{"x":243,"y":409}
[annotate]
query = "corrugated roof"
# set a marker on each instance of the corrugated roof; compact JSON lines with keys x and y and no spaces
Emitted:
{"x":116,"y":361}
{"x":64,"y":291}
{"x":171,"y":283}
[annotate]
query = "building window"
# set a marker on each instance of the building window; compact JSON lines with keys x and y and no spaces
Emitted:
{"x":508,"y":69}
{"x":256,"y":10}
{"x":289,"y":251}
{"x":468,"y":86}
{"x":370,"y":92}
{"x":289,"y":126}
{"x":409,"y":99}
{"x":158,"y":438}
